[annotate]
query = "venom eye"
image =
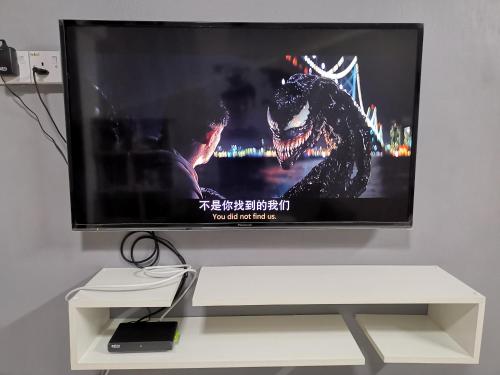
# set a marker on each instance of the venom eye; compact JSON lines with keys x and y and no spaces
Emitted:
{"x":273,"y":124}
{"x":299,"y":119}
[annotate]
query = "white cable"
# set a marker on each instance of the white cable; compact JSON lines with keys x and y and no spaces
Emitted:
{"x":167,"y":274}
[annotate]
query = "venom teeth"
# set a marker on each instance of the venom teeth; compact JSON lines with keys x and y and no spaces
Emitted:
{"x":285,"y":148}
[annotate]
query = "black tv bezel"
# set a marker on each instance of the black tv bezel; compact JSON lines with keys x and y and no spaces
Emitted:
{"x":419,"y":27}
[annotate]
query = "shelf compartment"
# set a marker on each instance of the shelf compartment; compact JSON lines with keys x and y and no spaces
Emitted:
{"x":420,"y":339}
{"x":233,"y":341}
{"x":451,"y":331}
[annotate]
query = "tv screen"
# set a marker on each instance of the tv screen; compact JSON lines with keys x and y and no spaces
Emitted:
{"x":185,"y":125}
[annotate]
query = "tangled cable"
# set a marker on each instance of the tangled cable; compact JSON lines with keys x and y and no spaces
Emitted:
{"x":149,"y":268}
{"x":166,"y":274}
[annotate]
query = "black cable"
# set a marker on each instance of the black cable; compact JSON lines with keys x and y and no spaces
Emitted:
{"x":150,"y":314}
{"x":151,"y":259}
{"x":35,"y":72}
{"x":36,"y":118}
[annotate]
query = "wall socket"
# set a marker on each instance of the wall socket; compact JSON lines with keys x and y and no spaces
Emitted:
{"x":50,"y":60}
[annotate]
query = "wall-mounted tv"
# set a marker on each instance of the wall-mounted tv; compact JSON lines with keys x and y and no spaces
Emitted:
{"x":203,"y":125}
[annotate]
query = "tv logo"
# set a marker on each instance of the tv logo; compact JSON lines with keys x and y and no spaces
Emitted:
{"x":115,"y":346}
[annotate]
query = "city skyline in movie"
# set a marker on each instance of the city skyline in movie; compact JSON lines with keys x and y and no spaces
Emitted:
{"x":394,"y":141}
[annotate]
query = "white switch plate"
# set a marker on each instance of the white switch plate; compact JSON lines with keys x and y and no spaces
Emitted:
{"x":24,"y":77}
{"x":50,"y":60}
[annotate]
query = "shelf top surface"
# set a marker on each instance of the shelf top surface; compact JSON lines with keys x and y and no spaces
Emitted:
{"x":157,"y":297}
{"x":240,"y":341}
{"x":411,"y":339}
{"x":310,"y":285}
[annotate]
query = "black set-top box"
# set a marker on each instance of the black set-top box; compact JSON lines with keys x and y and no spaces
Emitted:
{"x":137,"y":337}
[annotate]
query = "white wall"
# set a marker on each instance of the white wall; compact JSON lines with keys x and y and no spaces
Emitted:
{"x":457,"y":206}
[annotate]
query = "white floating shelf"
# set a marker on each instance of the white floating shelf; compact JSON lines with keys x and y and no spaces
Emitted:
{"x":237,"y":341}
{"x":411,"y":339}
{"x":453,"y":324}
{"x":232,"y":341}
{"x":450,"y":332}
{"x":332,"y":285}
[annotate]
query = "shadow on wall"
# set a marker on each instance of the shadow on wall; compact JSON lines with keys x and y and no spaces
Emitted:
{"x":267,"y":239}
{"x":39,"y":339}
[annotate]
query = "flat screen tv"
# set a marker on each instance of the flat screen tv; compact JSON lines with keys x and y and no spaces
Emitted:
{"x":205,"y":125}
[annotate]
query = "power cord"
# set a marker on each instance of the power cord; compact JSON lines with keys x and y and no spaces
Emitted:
{"x":44,"y":72}
{"x":35,"y":116}
{"x":150,"y":259}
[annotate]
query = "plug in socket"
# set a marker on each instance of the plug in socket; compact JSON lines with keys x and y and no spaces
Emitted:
{"x":50,"y":60}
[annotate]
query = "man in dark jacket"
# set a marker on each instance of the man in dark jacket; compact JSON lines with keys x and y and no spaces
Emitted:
{"x":195,"y":122}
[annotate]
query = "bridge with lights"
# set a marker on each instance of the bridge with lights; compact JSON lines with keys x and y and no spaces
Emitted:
{"x":345,"y":73}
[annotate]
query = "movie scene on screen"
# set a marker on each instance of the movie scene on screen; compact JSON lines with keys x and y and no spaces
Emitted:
{"x":261,"y":129}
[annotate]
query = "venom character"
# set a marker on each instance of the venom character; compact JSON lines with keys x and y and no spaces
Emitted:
{"x":304,"y":110}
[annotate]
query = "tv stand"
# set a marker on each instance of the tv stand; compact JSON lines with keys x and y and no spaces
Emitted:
{"x":450,"y":332}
